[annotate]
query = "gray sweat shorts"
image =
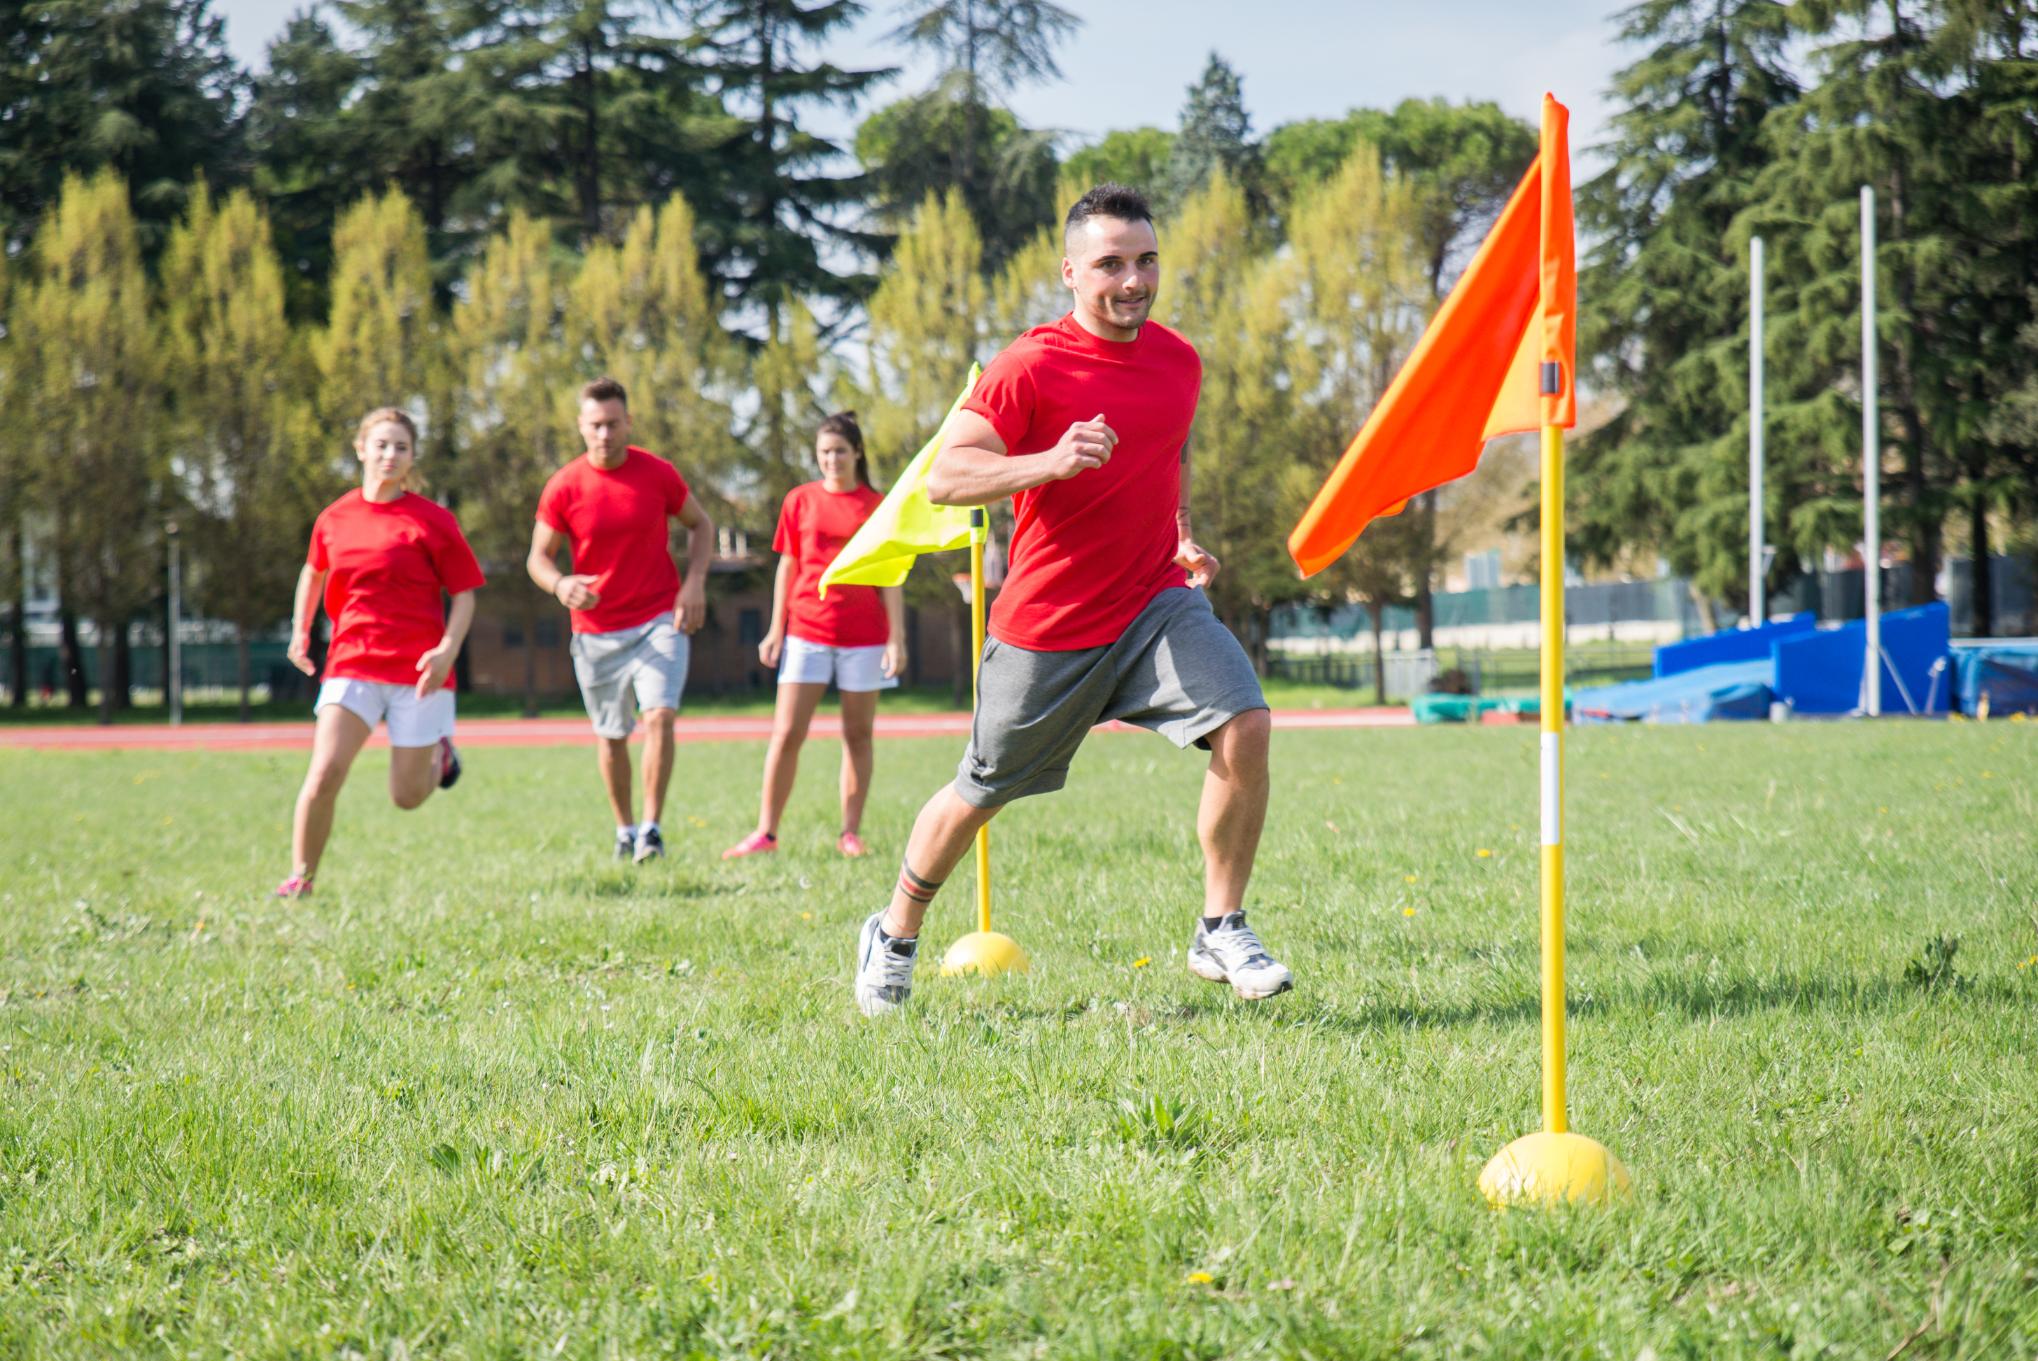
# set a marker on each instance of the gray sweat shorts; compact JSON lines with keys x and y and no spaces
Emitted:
{"x":645,"y":664}
{"x":1175,"y":670}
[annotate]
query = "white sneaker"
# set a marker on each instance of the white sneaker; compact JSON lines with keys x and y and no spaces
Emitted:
{"x":884,"y":972}
{"x":1233,"y":954}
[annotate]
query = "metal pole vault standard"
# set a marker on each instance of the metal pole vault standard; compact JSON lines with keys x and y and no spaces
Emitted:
{"x":1871,"y":468}
{"x":1757,"y":606}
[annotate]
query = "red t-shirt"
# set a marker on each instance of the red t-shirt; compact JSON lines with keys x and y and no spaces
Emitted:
{"x":386,"y":564}
{"x":813,"y":525}
{"x":614,"y":523}
{"x":1089,"y":553}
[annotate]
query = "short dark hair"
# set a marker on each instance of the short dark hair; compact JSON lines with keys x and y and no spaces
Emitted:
{"x":1110,"y":199}
{"x":605,"y":389}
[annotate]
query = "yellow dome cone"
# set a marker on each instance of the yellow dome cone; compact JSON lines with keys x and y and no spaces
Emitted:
{"x":1551,"y":1169}
{"x":984,"y":953}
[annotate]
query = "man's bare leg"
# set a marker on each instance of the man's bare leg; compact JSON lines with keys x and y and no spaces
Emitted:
{"x":612,"y":754}
{"x":657,"y":761}
{"x":941,"y":837}
{"x":1233,"y":810}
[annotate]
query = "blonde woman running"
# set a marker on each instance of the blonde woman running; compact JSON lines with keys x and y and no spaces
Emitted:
{"x":384,"y":558}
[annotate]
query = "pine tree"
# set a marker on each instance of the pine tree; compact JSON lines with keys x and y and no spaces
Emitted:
{"x":643,"y":313}
{"x":910,"y":150}
{"x":379,"y":346}
{"x":1667,"y":324}
{"x":956,"y":134}
{"x":789,"y":207}
{"x":514,"y":413}
{"x":307,"y":166}
{"x":1216,"y":133}
{"x":238,"y":428}
{"x":94,"y":376}
{"x":145,"y":88}
{"x":591,"y":113}
{"x":1928,"y":104}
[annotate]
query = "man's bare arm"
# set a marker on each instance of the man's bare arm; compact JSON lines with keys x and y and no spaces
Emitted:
{"x":975,"y":469}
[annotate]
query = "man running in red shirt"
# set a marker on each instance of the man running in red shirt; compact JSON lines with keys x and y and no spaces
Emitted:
{"x":1085,"y":423}
{"x":631,"y":616}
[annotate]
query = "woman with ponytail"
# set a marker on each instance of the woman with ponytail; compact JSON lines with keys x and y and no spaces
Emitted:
{"x":384,"y":558}
{"x":855,"y":638}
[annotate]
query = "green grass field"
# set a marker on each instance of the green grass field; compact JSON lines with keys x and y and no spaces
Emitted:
{"x":488,"y":1095}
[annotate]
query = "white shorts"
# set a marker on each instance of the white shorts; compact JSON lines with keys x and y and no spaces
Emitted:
{"x":646,"y":664}
{"x":853,"y":669}
{"x":413,"y":722}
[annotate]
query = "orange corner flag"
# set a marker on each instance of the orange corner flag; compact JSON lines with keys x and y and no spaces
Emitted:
{"x":1497,"y":359}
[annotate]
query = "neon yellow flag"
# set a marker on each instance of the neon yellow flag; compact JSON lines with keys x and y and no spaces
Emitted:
{"x":906,"y":524}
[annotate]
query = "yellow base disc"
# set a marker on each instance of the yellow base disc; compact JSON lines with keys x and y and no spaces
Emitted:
{"x":986,"y":953}
{"x":1546,"y":1168}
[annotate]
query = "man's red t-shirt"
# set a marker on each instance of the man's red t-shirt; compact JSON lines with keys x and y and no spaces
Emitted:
{"x":813,"y":525}
{"x":386,"y":563}
{"x":1089,"y":553}
{"x":614,"y":523}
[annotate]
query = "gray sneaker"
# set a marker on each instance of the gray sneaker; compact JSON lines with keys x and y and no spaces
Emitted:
{"x":1233,"y":954}
{"x":884,"y":970}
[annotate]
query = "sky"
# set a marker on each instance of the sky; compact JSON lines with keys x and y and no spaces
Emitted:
{"x":1133,"y":60}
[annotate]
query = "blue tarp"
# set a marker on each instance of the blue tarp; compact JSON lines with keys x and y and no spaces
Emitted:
{"x":1820,"y":673}
{"x":1727,"y":690}
{"x":1734,"y":645}
{"x":2007,"y":671}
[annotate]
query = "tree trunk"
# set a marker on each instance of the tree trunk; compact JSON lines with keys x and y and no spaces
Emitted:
{"x":71,"y":658}
{"x":18,"y":676}
{"x":1984,"y":595}
{"x":244,"y":670}
{"x":530,"y":659}
{"x":107,"y":668}
{"x":1377,"y":609}
{"x":1425,"y":570}
{"x":121,"y":683}
{"x":959,"y":637}
{"x":1700,"y":601}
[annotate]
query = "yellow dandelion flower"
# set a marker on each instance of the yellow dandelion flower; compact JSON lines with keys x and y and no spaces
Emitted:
{"x":1142,"y":961}
{"x":1408,"y":912}
{"x":1199,"y":1278}
{"x":1485,"y":854}
{"x":806,"y":916}
{"x":1408,"y":878}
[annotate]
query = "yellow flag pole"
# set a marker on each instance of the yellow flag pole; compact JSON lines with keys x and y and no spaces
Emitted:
{"x":1552,"y":767}
{"x":1555,"y":1164}
{"x":983,"y":951}
{"x":977,"y":534}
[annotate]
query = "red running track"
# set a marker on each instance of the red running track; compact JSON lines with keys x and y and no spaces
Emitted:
{"x":557,"y":732}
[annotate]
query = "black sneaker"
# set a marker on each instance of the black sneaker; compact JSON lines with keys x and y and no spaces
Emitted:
{"x":650,"y":845}
{"x":449,"y":763}
{"x":626,"y":842}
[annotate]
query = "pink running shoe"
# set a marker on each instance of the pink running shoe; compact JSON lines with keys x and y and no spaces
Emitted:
{"x":851,"y":845}
{"x":296,"y":886}
{"x":757,"y":843}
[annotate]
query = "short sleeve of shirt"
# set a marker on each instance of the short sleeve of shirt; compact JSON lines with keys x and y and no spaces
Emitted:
{"x":453,"y":559}
{"x":318,"y":557}
{"x":551,"y":506}
{"x":786,"y":538}
{"x":676,"y":492}
{"x":1004,"y":396}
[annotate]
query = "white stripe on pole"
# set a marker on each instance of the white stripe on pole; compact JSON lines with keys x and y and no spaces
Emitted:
{"x":1553,"y":789}
{"x":1756,"y":604}
{"x":1871,"y":467}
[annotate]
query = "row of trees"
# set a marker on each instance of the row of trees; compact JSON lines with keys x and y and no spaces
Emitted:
{"x":1759,"y":117}
{"x":194,"y":398}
